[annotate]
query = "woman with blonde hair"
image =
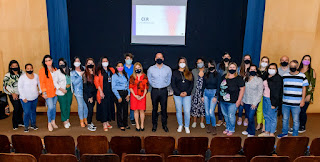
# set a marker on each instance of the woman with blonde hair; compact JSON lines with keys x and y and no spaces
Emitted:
{"x":138,"y":85}
{"x":232,"y":89}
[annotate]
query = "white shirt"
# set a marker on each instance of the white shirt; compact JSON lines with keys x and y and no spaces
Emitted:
{"x":28,"y":88}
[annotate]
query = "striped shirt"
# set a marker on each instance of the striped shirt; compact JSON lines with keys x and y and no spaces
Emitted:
{"x":292,"y":88}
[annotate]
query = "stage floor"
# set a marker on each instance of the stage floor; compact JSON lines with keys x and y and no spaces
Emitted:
{"x":75,"y":130}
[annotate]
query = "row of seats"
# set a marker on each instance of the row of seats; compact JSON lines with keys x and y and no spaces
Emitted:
{"x":147,"y":158}
{"x":162,"y":145}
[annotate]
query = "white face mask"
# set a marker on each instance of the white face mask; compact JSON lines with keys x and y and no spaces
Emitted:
{"x":264,"y":64}
{"x":182,"y":65}
{"x":272,"y":71}
{"x":105,"y":64}
{"x":77,"y":64}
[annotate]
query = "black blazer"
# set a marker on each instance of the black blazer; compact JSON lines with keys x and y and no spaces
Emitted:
{"x":275,"y":84}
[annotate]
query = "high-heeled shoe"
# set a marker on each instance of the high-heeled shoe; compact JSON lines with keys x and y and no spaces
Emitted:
{"x":142,"y":129}
{"x":138,"y":130}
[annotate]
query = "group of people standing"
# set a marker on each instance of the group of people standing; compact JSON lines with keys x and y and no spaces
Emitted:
{"x":260,"y":90}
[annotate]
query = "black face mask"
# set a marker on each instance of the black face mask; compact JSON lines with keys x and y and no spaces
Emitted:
{"x":138,"y":71}
{"x":232,"y":71}
{"x":90,"y":66}
{"x":253,"y":73}
{"x":62,"y":66}
{"x":226,"y":60}
{"x":293,"y":69}
{"x":15,"y":69}
{"x":159,"y":61}
{"x":212,"y":68}
{"x":284,"y":63}
{"x":29,"y":72}
{"x":247,"y":61}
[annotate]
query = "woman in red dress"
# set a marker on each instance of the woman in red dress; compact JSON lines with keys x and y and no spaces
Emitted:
{"x":138,"y":85}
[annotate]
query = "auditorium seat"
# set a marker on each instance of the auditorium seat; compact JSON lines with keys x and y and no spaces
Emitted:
{"x":231,"y":145}
{"x":185,"y":158}
{"x":12,"y":157}
{"x":308,"y":159}
{"x":4,"y":144}
{"x":58,"y":158}
{"x":255,"y":146}
{"x":28,"y":144}
{"x":141,"y":158}
{"x":193,"y":145}
{"x":227,"y":158}
{"x":163,"y":145}
{"x":100,"y":158}
{"x":123,"y":144}
{"x":315,"y":147}
{"x":292,"y":147}
{"x":92,"y":144}
{"x":270,"y":159}
{"x":59,"y":144}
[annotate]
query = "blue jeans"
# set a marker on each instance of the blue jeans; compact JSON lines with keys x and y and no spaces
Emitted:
{"x":251,"y":122}
{"x":270,"y":115}
{"x":29,"y":112}
{"x":240,"y":112}
{"x":295,"y":110}
{"x":220,"y":115}
{"x":229,"y":112}
{"x":131,"y":114}
{"x":51,"y":103}
{"x":184,"y":102}
{"x":210,"y":106}
{"x":82,"y":108}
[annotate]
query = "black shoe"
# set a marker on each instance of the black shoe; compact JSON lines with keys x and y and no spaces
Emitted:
{"x":127,"y":127}
{"x":290,"y":131}
{"x":26,"y":130}
{"x":142,"y":129}
{"x":165,"y":128}
{"x":34,"y":127}
{"x":133,"y":122}
{"x":154,"y":128}
{"x":138,"y":130}
{"x":302,"y":130}
{"x":123,"y":129}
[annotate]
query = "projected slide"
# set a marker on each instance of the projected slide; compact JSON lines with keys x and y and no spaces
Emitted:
{"x":159,"y":23}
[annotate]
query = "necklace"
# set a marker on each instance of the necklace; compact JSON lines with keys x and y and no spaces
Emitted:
{"x":183,"y":78}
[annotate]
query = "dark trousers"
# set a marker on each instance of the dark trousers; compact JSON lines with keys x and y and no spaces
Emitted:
{"x":303,"y":115}
{"x":90,"y":109}
{"x":122,"y":109}
{"x":159,"y":96}
{"x":17,"y":112}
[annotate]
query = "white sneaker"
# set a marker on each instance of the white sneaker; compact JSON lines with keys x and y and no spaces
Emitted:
{"x":245,"y":133}
{"x":187,"y":130}
{"x":202,"y":125}
{"x":67,"y":126}
{"x":180,"y":128}
{"x":249,"y":135}
{"x":194,"y":124}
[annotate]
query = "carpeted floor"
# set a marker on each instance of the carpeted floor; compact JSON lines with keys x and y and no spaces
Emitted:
{"x":75,"y":130}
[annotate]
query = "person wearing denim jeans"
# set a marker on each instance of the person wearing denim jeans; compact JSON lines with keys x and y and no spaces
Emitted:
{"x":270,"y":115}
{"x":128,"y":67}
{"x":252,"y":97}
{"x":231,"y":92}
{"x":182,"y":85}
{"x":210,"y":88}
{"x":294,"y":94}
{"x":29,"y":113}
{"x":51,"y":104}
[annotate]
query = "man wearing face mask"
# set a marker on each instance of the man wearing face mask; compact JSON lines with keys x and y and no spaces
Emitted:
{"x":284,"y":65}
{"x":294,"y":94}
{"x":128,"y":67}
{"x":159,"y":76}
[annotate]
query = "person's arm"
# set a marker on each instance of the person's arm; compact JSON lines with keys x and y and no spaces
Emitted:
{"x":203,"y":85}
{"x":6,"y":84}
{"x":168,"y":79}
{"x":150,"y":76}
{"x":174,"y":86}
{"x":127,"y":84}
{"x":218,"y":86}
{"x":241,"y":92}
{"x":21,"y":88}
{"x":189,"y":91}
{"x":114,"y":87}
{"x":42,"y":81}
{"x":259,"y":92}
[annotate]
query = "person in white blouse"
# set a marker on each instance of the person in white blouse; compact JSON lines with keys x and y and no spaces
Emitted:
{"x":29,"y":90}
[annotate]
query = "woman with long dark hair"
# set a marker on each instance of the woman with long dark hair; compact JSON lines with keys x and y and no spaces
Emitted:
{"x":120,"y":88}
{"x":89,"y":91}
{"x":48,"y":90}
{"x":10,"y":87}
{"x":62,"y":83}
{"x":105,"y":97}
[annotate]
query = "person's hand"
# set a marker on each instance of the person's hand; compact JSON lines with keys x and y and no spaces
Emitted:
{"x":120,"y":100}
{"x":44,"y":95}
{"x":14,"y":96}
{"x":242,"y":103}
{"x":238,"y":103}
{"x":253,"y":107}
{"x":272,"y":107}
{"x":101,"y":95}
{"x":64,"y":91}
{"x":214,"y":99}
{"x":128,"y":98}
{"x":202,"y":99}
{"x":183,"y":94}
{"x":90,"y":100}
{"x":25,"y":100}
{"x":308,"y":97}
{"x":302,"y":103}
